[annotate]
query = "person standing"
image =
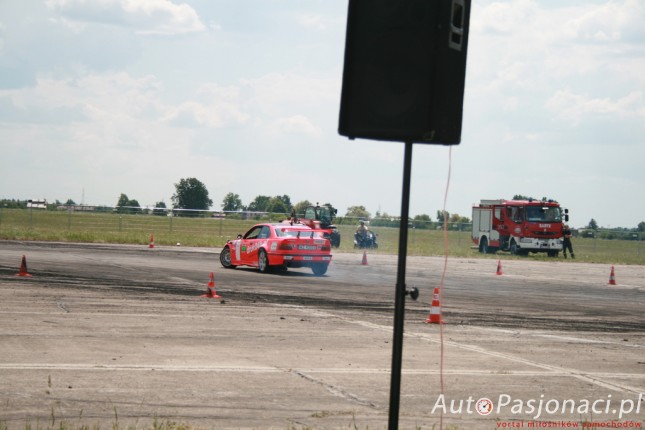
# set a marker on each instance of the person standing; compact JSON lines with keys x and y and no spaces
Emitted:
{"x":566,"y":241}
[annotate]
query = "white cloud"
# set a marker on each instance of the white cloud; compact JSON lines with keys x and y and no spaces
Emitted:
{"x":216,"y":114}
{"x":524,"y":58}
{"x":576,"y":107}
{"x":610,"y":22}
{"x":118,"y":98}
{"x":526,"y":45}
{"x":144,"y":16}
{"x":297,"y":124}
{"x":278,"y":93}
{"x":101,"y":96}
{"x":503,"y":17}
{"x":311,"y":21}
{"x":319,"y":21}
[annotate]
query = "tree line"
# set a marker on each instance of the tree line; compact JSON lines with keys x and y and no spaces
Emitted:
{"x":192,"y":195}
{"x":191,"y":198}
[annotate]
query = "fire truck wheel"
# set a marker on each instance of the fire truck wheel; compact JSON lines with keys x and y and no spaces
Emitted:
{"x":514,"y":248}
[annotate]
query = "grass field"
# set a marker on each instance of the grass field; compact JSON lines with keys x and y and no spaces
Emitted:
{"x":97,"y":227}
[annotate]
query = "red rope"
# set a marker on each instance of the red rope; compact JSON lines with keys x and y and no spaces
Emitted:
{"x":443,"y":277}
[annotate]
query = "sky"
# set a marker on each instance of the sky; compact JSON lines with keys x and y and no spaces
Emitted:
{"x":104,"y":97}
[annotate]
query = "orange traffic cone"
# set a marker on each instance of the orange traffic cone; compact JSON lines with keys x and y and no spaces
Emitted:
{"x":612,"y":277}
{"x":210,"y":292}
{"x":364,"y":262}
{"x":499,"y":267}
{"x":23,"y":267}
{"x":152,"y":241}
{"x":435,"y":310}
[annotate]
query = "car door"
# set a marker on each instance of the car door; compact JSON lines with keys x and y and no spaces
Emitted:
{"x":252,"y":242}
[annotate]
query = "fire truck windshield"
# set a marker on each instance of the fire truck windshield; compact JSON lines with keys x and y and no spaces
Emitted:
{"x":543,"y":214}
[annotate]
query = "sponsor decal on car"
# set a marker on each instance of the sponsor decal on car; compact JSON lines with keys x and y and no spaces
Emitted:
{"x":254,"y":247}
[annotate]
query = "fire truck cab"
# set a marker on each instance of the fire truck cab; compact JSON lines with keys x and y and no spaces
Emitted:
{"x":518,"y":226}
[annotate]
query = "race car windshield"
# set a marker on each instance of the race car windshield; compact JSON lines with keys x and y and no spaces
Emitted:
{"x":543,"y":214}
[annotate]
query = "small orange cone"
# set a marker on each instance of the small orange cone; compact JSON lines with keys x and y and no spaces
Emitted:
{"x":364,"y":262}
{"x":23,"y":267}
{"x":612,"y":277}
{"x":210,"y":292}
{"x":435,"y":310}
{"x":499,"y":267}
{"x":152,"y":241}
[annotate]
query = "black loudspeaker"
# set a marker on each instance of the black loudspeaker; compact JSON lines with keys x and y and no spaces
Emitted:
{"x":405,"y":69}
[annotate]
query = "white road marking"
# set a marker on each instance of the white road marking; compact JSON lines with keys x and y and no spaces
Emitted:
{"x":299,"y":371}
{"x":552,"y":369}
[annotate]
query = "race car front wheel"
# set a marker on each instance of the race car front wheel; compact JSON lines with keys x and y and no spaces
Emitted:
{"x":225,"y":258}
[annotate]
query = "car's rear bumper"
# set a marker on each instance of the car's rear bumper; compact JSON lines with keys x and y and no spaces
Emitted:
{"x":297,"y":259}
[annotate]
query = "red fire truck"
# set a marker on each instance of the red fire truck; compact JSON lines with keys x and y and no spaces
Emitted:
{"x":518,"y":226}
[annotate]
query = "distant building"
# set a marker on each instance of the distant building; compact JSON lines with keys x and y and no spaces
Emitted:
{"x":37,"y":204}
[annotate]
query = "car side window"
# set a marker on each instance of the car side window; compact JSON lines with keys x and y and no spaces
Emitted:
{"x":253,"y":234}
{"x":265,"y":232}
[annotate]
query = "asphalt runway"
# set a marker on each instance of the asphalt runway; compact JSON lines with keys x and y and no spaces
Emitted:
{"x":105,"y":334}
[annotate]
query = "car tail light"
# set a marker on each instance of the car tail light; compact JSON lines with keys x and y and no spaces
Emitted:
{"x":286,"y":246}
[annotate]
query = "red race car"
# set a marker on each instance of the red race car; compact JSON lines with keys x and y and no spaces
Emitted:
{"x":268,"y":246}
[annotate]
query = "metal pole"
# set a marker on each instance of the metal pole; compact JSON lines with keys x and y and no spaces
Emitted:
{"x":399,"y":304}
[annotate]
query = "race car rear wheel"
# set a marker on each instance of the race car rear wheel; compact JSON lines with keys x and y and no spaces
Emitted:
{"x":263,"y":261}
{"x":225,"y":258}
{"x":319,"y":269}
